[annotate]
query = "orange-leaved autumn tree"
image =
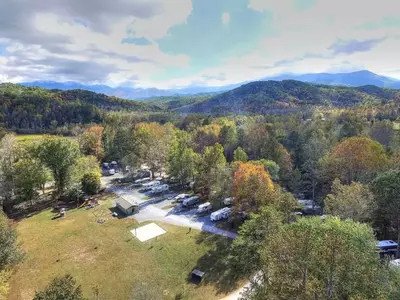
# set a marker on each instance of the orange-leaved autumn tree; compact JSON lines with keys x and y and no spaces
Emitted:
{"x":90,"y":142}
{"x":354,"y":159}
{"x":253,"y":187}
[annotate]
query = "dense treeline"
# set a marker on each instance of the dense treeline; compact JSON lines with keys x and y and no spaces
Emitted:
{"x":34,"y":109}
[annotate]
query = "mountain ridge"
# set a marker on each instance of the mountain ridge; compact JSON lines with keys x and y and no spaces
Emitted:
{"x":357,"y":78}
{"x":271,"y":96}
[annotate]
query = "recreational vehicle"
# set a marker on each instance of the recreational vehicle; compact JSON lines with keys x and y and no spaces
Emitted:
{"x":221,"y":214}
{"x":191,"y":201}
{"x":205,"y":207}
{"x":159,"y":189}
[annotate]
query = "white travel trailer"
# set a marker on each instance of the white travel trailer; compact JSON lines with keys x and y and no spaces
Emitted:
{"x":191,"y":201}
{"x":205,"y":207}
{"x":160,"y":189}
{"x":221,"y":214}
{"x":151,"y":184}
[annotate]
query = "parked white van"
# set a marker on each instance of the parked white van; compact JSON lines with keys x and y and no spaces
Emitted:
{"x":221,"y":214}
{"x":191,"y":201}
{"x":205,"y":207}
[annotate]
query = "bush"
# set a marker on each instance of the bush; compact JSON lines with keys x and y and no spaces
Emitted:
{"x":61,"y":288}
{"x":91,"y":183}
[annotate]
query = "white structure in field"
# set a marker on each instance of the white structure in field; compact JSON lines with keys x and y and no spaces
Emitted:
{"x":147,"y":232}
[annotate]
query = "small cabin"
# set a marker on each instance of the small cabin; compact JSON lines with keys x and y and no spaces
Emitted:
{"x":127,"y":207}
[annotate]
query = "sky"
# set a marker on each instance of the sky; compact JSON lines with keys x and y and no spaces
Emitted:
{"x":177,"y":43}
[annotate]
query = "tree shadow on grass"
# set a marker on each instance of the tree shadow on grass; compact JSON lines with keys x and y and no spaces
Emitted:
{"x":214,"y":263}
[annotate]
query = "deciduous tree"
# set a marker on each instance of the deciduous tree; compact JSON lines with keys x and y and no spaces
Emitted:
{"x":354,"y":201}
{"x":59,"y":155}
{"x":211,"y":162}
{"x":252,"y":187}
{"x":240,"y":155}
{"x":182,"y":159}
{"x":355,"y":159}
{"x":320,"y":259}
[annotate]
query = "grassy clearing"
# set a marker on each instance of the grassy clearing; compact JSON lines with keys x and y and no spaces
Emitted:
{"x":29,"y":137}
{"x":34,"y":137}
{"x":107,"y":255}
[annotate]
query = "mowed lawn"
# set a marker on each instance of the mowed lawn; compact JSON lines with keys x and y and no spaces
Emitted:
{"x":107,"y":255}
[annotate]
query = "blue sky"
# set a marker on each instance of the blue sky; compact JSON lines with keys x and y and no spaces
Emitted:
{"x":164,"y":43}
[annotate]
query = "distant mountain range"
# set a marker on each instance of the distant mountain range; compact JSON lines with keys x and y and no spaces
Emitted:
{"x":268,"y":97}
{"x":355,"y":79}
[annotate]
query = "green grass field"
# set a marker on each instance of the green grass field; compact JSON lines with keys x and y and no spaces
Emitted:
{"x":107,"y":255}
{"x":34,"y":137}
{"x":29,"y":137}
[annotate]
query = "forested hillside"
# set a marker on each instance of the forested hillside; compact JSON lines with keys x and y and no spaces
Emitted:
{"x":33,"y":108}
{"x":290,"y":95}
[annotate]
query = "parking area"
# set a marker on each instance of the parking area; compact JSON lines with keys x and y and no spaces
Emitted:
{"x":164,"y":208}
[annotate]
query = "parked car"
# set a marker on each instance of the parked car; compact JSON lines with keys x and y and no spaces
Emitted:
{"x":205,"y":207}
{"x":111,"y":172}
{"x":191,"y":201}
{"x":221,"y":214}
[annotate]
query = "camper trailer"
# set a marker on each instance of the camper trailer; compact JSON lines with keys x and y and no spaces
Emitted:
{"x":387,"y":248}
{"x":221,"y":214}
{"x":149,"y":185}
{"x":159,"y":189}
{"x":205,"y":207}
{"x":191,"y":201}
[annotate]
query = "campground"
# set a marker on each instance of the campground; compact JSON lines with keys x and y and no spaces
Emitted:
{"x":100,"y":252}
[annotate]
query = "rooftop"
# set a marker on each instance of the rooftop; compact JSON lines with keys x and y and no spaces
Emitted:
{"x":125,"y":204}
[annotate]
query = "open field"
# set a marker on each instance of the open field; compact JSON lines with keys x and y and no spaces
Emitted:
{"x":34,"y":137}
{"x":107,"y":255}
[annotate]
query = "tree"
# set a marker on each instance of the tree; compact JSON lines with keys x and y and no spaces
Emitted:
{"x":245,"y":253}
{"x":64,"y":288}
{"x":312,"y":151}
{"x":211,"y":162}
{"x":8,"y":157}
{"x":152,"y":144}
{"x":59,"y":155}
{"x":354,"y":159}
{"x":320,"y":259}
{"x":270,"y":166}
{"x":229,"y":140}
{"x":182,"y":159}
{"x":91,"y":183}
{"x":386,"y":189}
{"x":206,"y":136}
{"x":252,"y":187}
{"x":90,"y":142}
{"x":240,"y":155}
{"x":30,"y":175}
{"x":10,"y":253}
{"x":354,"y":201}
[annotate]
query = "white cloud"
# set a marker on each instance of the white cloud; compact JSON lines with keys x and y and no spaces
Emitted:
{"x":226,"y":18}
{"x":51,"y":41}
